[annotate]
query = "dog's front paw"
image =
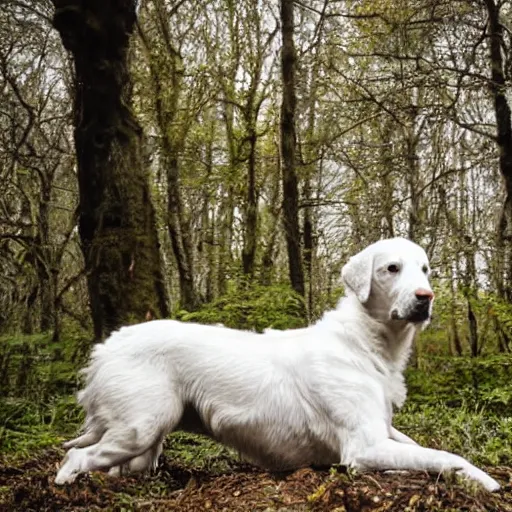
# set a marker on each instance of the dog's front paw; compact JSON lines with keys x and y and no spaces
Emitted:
{"x":480,"y":476}
{"x":70,"y":468}
{"x":115,"y":471}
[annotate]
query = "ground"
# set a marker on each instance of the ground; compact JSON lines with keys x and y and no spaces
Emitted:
{"x":227,"y":485}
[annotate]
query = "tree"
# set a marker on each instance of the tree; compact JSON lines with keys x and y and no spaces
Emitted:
{"x":498,"y":67}
{"x":116,"y":217}
{"x":166,"y":68}
{"x":378,"y":122}
{"x":288,"y":139}
{"x":36,"y":168}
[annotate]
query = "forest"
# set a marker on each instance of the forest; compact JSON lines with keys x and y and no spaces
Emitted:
{"x":219,"y":162}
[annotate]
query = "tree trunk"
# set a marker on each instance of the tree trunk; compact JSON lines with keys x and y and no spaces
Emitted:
{"x":311,"y":170}
{"x":308,"y":244}
{"x":290,"y":187}
{"x":388,"y":187}
{"x":225,"y":237}
{"x":471,"y":294}
{"x":226,"y":214}
{"x":180,"y":237}
{"x":29,"y":314}
{"x":116,"y":224}
{"x":413,"y":176}
{"x":503,"y":139}
{"x":208,"y":221}
{"x":56,"y":324}
{"x":269,"y":254}
{"x":251,"y":213}
{"x":167,"y":74}
{"x":456,"y":345}
{"x":44,"y":260}
{"x":473,"y":331}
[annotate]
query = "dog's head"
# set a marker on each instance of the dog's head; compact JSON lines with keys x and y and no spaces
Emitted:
{"x":390,"y":278}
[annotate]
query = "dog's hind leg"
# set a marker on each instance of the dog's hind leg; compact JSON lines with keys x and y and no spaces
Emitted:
{"x":146,"y":461}
{"x":400,"y":437}
{"x":390,"y":454}
{"x":116,"y":447}
{"x":135,"y":437}
{"x":86,"y":439}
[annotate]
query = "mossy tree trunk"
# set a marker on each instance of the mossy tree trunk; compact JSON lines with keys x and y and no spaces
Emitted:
{"x":498,"y":64}
{"x":116,"y":217}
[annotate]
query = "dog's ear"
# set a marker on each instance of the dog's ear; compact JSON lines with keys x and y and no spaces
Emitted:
{"x":357,"y":275}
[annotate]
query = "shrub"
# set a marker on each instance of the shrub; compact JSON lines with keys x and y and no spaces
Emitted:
{"x":253,"y":308}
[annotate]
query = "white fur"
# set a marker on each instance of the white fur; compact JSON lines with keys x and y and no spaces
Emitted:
{"x":319,"y":395}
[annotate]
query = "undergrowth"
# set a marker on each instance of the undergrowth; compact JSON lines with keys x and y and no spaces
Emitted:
{"x":477,"y":434}
{"x":255,"y":309}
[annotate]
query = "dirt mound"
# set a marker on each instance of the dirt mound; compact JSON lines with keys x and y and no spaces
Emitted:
{"x":28,"y":486}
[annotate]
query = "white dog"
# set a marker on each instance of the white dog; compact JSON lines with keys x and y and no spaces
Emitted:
{"x":319,"y":395}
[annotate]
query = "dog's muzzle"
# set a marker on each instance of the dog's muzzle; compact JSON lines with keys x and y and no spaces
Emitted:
{"x":418,"y":313}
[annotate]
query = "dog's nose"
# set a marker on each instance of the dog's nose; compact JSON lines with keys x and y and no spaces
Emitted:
{"x":423,"y":294}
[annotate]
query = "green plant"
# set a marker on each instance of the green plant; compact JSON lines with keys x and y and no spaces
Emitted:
{"x":253,"y":308}
{"x":482,"y":437}
{"x":454,"y":381}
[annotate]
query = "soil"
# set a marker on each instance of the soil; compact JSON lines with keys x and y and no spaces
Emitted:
{"x":28,"y":486}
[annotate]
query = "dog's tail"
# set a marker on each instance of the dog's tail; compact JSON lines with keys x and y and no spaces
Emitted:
{"x":93,"y":375}
{"x":93,"y":428}
{"x":108,"y":380}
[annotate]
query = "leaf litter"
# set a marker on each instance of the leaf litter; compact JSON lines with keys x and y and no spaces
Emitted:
{"x":27,"y":486}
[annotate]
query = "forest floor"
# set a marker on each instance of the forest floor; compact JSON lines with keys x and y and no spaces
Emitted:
{"x":27,"y":485}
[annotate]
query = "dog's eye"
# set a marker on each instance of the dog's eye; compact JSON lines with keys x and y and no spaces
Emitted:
{"x":393,"y":269}
{"x":425,"y":269}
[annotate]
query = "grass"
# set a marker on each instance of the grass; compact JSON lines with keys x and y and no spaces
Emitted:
{"x":27,"y":426}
